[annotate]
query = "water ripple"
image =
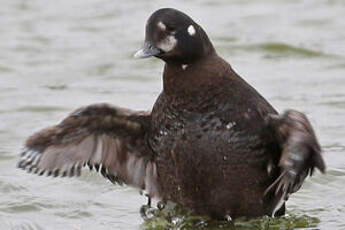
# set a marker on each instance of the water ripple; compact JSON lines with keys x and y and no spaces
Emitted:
{"x":56,"y":87}
{"x":74,"y":214}
{"x":6,"y":187}
{"x":15,"y":207}
{"x":19,"y":225}
{"x":279,"y":49}
{"x":39,"y":109}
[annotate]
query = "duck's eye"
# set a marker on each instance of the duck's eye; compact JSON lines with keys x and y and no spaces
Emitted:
{"x":170,"y":29}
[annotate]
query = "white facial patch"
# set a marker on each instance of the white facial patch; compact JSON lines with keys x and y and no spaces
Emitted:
{"x":161,"y":26}
{"x":191,"y":30}
{"x":167,"y":44}
{"x":184,"y":66}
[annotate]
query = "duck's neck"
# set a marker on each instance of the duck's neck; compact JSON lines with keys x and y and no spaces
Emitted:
{"x":194,"y":78}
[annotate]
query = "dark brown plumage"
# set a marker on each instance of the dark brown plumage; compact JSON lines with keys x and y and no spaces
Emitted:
{"x":212,"y":143}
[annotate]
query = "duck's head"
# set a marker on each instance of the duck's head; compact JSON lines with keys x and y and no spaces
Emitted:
{"x":174,"y":37}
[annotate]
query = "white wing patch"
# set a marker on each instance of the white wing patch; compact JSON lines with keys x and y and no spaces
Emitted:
{"x":191,"y":30}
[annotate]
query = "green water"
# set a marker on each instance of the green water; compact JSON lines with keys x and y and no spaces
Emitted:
{"x":172,"y":217}
{"x":56,"y":56}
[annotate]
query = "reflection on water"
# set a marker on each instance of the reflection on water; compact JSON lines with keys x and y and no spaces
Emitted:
{"x":57,"y":57}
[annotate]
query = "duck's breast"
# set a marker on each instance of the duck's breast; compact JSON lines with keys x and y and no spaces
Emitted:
{"x":208,"y":161}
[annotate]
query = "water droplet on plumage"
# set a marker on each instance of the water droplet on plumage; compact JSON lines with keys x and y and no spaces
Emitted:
{"x":163,"y":133}
{"x":160,"y":205}
{"x":230,"y":125}
{"x":228,"y":218}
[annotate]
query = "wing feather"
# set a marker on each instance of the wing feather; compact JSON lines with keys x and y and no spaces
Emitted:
{"x":110,"y":139}
{"x":301,"y":153}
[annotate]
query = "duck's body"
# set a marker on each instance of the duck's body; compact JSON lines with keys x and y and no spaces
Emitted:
{"x":212,"y":143}
{"x":208,"y":136}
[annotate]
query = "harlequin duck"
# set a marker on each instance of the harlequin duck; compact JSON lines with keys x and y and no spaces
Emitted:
{"x":212,"y":143}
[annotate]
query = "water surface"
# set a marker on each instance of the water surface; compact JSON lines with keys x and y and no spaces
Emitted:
{"x":58,"y":56}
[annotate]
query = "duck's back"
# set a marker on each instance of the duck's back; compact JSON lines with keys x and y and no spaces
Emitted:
{"x":211,"y":150}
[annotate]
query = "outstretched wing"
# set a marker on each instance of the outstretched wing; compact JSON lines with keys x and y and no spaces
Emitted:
{"x":301,"y":153}
{"x":110,"y":139}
